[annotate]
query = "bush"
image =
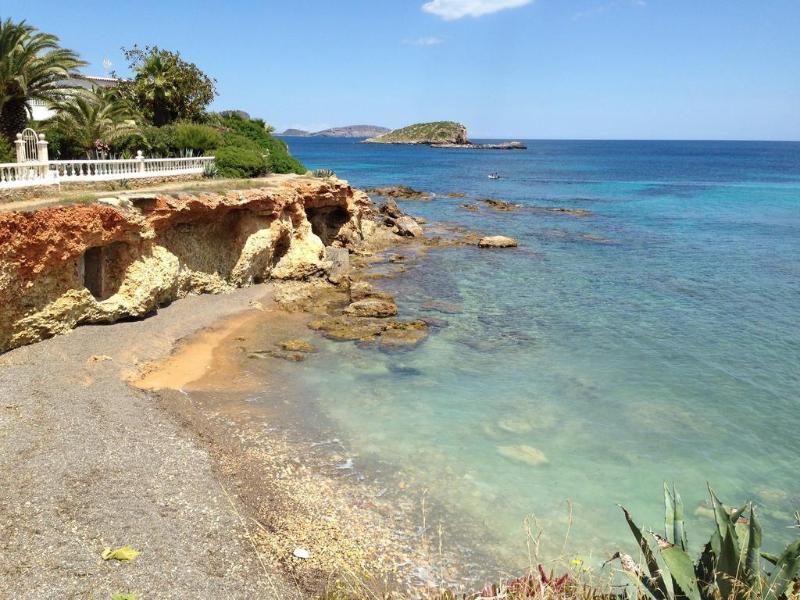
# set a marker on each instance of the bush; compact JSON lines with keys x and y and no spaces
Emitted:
{"x":258,"y":133}
{"x":7,"y":151}
{"x":238,"y":162}
{"x":190,"y":136}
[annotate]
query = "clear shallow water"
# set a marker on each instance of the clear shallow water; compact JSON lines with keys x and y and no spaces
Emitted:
{"x":658,"y":339}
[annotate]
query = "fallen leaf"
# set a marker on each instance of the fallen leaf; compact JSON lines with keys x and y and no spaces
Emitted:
{"x":124,"y":553}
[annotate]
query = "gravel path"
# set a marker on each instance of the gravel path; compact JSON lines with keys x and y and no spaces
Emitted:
{"x":88,"y":462}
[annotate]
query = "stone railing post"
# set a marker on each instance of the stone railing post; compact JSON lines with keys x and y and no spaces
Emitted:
{"x":20,"y":144}
{"x":140,"y":161}
{"x":42,"y":156}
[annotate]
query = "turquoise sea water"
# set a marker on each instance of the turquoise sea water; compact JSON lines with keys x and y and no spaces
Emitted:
{"x":658,"y":339}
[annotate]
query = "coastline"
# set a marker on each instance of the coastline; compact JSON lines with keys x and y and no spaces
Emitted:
{"x":356,"y":537}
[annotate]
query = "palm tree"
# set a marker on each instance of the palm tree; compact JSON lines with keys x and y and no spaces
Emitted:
{"x":93,"y":120}
{"x":32,"y":67}
{"x":160,"y":89}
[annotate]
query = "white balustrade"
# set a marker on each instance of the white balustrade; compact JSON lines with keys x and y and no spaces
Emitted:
{"x":58,"y":171}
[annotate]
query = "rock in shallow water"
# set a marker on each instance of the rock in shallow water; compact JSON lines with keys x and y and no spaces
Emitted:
{"x":497,"y":241}
{"x":372,"y":307}
{"x":297,"y":345}
{"x":522,"y":453}
{"x":392,"y":332}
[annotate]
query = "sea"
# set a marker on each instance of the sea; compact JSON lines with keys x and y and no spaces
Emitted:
{"x":654,"y":338}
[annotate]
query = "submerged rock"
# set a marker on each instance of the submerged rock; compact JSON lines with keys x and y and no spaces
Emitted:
{"x":522,"y":453}
{"x":514,"y":425}
{"x":469,"y":207}
{"x":392,"y":332}
{"x":372,"y":307}
{"x":399,"y":191}
{"x":497,"y":241}
{"x":297,"y":345}
{"x":575,"y":212}
{"x":456,"y":195}
{"x":282,"y":354}
{"x":498,"y":204}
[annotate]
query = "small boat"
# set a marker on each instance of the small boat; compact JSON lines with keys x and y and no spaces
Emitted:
{"x":494,"y":176}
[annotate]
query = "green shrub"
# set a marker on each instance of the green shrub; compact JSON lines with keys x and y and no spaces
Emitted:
{"x":191,"y":136}
{"x":257,"y":132}
{"x":323,"y":173}
{"x":7,"y":151}
{"x":238,"y":162}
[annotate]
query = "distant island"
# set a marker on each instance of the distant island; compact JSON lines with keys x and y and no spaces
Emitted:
{"x":439,"y":134}
{"x":350,"y":131}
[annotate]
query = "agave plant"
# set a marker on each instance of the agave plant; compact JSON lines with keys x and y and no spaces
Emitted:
{"x":323,"y":173}
{"x":731,"y":564}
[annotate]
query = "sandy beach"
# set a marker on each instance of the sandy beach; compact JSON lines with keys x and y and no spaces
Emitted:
{"x":215,"y":496}
{"x":92,"y":462}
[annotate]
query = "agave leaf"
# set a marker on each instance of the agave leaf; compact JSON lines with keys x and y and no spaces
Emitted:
{"x":728,"y":562}
{"x":721,"y":517}
{"x":753,"y":561}
{"x":656,"y":578}
{"x":669,"y":514}
{"x":680,"y":566}
{"x":704,"y":570}
{"x":738,"y":512}
{"x":786,"y":569}
{"x":679,"y":528}
{"x":646,"y":590}
{"x":768,"y":556}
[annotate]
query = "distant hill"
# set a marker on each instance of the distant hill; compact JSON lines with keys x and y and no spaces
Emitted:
{"x":353,"y":131}
{"x":350,"y":131}
{"x":296,"y":133}
{"x":438,"y":132}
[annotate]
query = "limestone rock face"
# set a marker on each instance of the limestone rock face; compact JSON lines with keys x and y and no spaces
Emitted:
{"x":497,"y":241}
{"x":63,"y":266}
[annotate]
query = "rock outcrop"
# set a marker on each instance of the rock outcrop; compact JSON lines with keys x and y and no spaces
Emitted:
{"x":497,"y":241}
{"x":125,"y":257}
{"x":438,"y":132}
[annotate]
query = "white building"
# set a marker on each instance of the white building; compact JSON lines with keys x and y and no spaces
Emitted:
{"x":40,"y":111}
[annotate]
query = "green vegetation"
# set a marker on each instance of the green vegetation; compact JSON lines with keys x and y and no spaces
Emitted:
{"x":89,"y":122}
{"x":439,"y":132}
{"x":323,"y":173}
{"x":165,"y":87}
{"x":7,"y":151}
{"x":731,"y":564}
{"x":161,"y":111}
{"x":32,"y":67}
{"x":239,"y":162}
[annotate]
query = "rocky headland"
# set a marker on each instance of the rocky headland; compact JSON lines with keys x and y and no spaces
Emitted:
{"x":439,"y":134}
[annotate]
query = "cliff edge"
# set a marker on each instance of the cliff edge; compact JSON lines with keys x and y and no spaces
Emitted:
{"x":125,"y":257}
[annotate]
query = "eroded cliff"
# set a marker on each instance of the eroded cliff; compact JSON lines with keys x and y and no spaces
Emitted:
{"x":60,"y":267}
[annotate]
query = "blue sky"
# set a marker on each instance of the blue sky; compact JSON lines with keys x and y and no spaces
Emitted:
{"x":607,"y":69}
